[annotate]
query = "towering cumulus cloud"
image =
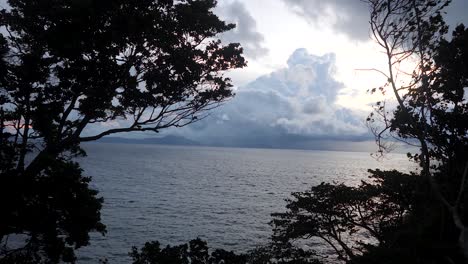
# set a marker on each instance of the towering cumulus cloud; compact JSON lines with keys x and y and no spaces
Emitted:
{"x":284,"y":109}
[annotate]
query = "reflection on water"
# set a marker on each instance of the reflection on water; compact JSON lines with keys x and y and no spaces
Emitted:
{"x":224,"y":195}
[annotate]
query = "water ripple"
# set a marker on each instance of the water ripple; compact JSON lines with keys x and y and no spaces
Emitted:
{"x":224,"y":195}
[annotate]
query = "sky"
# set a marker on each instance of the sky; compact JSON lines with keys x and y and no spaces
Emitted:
{"x":302,"y":87}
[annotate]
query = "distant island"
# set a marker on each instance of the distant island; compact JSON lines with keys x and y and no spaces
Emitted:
{"x":352,"y":144}
{"x":166,"y":140}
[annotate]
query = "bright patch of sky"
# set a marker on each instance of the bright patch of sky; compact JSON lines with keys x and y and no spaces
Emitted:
{"x":284,"y":31}
{"x":332,"y":26}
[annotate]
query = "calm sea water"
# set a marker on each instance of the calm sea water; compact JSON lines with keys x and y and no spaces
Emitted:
{"x":224,"y":195}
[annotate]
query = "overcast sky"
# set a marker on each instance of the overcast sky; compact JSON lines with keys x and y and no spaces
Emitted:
{"x":302,"y":85}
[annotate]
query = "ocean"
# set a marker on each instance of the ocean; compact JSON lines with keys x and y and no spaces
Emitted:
{"x":223,"y":195}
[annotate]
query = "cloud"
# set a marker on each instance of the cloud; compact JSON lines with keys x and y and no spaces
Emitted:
{"x":286,"y":108}
{"x":351,"y":16}
{"x":346,"y":16}
{"x":246,"y":29}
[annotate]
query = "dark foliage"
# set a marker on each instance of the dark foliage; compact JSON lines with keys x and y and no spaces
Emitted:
{"x":282,"y":253}
{"x":197,"y":252}
{"x":67,"y":66}
{"x":56,"y":210}
{"x":350,"y":220}
{"x":393,"y":218}
{"x":403,"y":218}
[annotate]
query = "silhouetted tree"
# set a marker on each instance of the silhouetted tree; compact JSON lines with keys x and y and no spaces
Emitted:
{"x":432,"y":107}
{"x":68,"y":66}
{"x":350,"y":220}
{"x":403,"y":218}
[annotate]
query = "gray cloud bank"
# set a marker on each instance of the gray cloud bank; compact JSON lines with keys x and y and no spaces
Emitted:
{"x":293,"y":107}
{"x":246,"y":29}
{"x":351,"y":17}
{"x":346,"y":16}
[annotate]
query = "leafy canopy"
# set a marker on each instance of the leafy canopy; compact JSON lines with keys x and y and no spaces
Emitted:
{"x":68,"y":66}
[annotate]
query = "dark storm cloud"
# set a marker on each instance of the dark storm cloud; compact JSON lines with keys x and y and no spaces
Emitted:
{"x":246,"y":29}
{"x":351,"y":16}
